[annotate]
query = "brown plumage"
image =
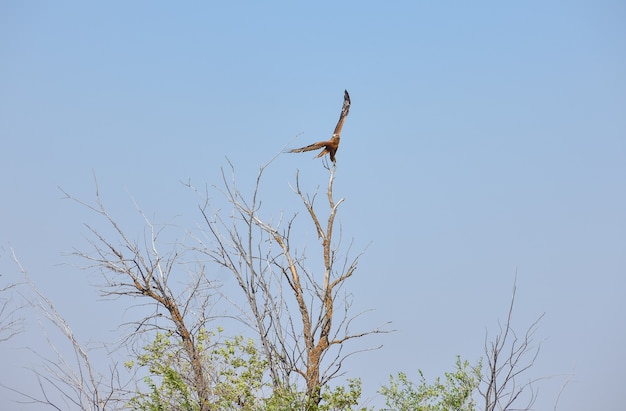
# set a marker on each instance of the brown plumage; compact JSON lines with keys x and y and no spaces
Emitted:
{"x":330,"y":146}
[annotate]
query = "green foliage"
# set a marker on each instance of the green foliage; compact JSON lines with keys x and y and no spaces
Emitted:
{"x":240,"y":377}
{"x":285,"y":399}
{"x":341,"y":398}
{"x":173,"y":393}
{"x":454,"y":394}
{"x":234,"y":368}
{"x":338,"y":398}
{"x":236,"y":372}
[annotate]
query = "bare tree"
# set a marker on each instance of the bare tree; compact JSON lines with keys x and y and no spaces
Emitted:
{"x":299,"y":310}
{"x":11,"y":323}
{"x":65,"y":383}
{"x":292,"y":307}
{"x":136,"y":270}
{"x":508,"y":356}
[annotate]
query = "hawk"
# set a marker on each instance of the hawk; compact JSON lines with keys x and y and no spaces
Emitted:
{"x":330,"y":147}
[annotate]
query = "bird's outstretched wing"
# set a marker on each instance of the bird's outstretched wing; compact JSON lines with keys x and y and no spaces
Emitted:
{"x":311,"y":147}
{"x":344,"y":113}
{"x":330,"y":146}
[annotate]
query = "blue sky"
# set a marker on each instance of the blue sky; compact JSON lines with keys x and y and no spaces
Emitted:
{"x":484,"y":139}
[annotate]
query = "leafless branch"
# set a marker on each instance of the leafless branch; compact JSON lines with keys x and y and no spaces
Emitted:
{"x":78,"y":383}
{"x":291,"y":307}
{"x":509,"y":356}
{"x":136,"y":270}
{"x":11,"y":323}
{"x":558,"y":397}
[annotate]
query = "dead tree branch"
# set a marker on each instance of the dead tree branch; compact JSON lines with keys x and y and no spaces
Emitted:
{"x":296,"y":337}
{"x":509,"y":356}
{"x":11,"y":323}
{"x":142,"y":271}
{"x":76,"y":384}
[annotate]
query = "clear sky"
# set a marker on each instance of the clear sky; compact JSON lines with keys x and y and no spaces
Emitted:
{"x":484,"y":139}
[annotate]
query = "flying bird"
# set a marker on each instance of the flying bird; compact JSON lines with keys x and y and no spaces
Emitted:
{"x":330,"y":146}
